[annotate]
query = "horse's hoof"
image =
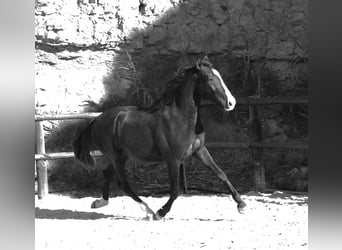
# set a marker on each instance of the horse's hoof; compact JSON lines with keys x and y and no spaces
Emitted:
{"x":147,"y":218}
{"x":99,"y":203}
{"x":157,"y":217}
{"x":93,"y":204}
{"x":241,"y":207}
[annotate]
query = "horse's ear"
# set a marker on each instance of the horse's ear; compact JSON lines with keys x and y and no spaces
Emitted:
{"x":206,"y":61}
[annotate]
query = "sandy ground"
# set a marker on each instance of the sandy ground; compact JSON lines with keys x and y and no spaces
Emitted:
{"x":272,"y":221}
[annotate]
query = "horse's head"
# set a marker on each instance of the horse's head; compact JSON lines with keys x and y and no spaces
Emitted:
{"x":211,"y":85}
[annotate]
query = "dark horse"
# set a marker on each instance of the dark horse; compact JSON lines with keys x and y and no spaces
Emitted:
{"x":170,"y":130}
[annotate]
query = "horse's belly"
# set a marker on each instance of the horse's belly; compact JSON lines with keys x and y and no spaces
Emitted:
{"x":144,"y":156}
{"x":140,"y":146}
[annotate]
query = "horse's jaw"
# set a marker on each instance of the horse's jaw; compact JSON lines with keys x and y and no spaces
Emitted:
{"x":229,"y":109}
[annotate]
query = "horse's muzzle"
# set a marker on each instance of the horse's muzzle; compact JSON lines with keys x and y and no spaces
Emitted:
{"x":230,"y":104}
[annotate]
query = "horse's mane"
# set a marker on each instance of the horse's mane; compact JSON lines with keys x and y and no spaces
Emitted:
{"x":171,"y":92}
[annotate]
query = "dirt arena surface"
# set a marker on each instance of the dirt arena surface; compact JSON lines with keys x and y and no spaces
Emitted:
{"x":271,"y":221}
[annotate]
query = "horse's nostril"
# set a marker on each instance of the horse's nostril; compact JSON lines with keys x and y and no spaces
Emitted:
{"x":230,"y":104}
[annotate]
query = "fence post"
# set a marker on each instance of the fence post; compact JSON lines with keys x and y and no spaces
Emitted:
{"x":41,"y":166}
{"x":257,"y":153}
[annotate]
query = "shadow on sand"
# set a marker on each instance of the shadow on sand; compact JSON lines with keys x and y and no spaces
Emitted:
{"x":63,"y":214}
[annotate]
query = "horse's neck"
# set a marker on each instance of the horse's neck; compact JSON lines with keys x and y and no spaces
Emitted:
{"x":185,"y":99}
{"x":190,"y":103}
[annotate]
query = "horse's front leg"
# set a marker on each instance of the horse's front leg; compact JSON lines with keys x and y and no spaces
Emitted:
{"x":173,"y":170}
{"x":182,"y":177}
{"x":203,"y":155}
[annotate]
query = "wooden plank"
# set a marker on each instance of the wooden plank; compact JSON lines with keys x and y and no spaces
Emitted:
{"x":264,"y":101}
{"x":71,"y":116}
{"x":228,"y":145}
{"x":278,"y":145}
{"x":42,"y":177}
{"x":246,"y":145}
{"x":211,"y":145}
{"x":62,"y":155}
{"x":272,"y":100}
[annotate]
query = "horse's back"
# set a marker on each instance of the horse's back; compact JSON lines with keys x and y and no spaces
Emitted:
{"x":126,"y":129}
{"x":104,"y":125}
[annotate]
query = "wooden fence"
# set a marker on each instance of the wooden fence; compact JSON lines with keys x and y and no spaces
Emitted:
{"x":256,"y":145}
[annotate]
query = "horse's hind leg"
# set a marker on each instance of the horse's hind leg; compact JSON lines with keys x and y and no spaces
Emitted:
{"x":128,"y":190}
{"x":208,"y":161}
{"x":124,"y":184}
{"x":108,"y":174}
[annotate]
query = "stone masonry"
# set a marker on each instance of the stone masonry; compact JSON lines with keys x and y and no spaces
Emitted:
{"x":80,"y":44}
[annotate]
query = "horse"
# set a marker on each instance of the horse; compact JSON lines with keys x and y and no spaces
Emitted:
{"x":170,"y":131}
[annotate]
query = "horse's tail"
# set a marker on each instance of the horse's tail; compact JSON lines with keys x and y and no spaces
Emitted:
{"x":82,"y":146}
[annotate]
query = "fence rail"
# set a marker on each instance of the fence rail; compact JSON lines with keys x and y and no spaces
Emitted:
{"x":256,"y":146}
{"x":212,"y":145}
{"x":67,"y":116}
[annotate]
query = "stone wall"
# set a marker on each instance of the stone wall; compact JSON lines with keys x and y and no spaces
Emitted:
{"x":87,"y":49}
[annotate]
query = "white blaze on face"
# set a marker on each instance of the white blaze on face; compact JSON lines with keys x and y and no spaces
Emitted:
{"x":230,"y":98}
